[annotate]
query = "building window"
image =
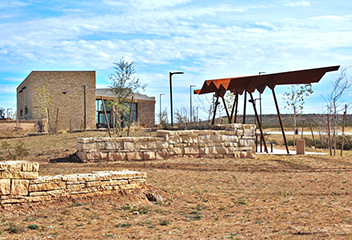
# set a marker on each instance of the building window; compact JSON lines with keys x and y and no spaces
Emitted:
{"x":21,"y":112}
{"x":100,"y":115}
{"x":25,"y":110}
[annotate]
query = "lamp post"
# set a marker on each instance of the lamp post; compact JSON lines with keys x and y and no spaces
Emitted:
{"x":172,"y":113}
{"x":160,"y":108}
{"x":261,"y":122}
{"x":190,"y":101}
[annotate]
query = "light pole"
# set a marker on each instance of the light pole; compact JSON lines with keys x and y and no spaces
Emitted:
{"x":261,"y":122}
{"x":172,"y":111}
{"x":160,"y":108}
{"x":190,"y":101}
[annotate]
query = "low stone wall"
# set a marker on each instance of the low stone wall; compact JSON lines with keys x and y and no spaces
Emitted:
{"x":232,"y":140}
{"x":19,"y":182}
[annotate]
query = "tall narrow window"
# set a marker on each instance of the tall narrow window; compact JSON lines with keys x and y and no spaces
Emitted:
{"x":25,"y":110}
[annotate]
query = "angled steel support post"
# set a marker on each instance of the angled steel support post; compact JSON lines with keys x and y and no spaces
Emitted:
{"x":235,"y":120}
{"x":259,"y":123}
{"x":244,"y":106}
{"x":280,"y":120}
{"x":216,"y":105}
{"x":233,"y":108}
{"x":227,"y":112}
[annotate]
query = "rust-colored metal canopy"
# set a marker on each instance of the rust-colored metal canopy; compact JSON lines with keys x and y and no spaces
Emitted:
{"x":259,"y":82}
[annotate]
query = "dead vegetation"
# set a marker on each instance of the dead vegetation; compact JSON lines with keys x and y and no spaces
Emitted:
{"x":268,"y":197}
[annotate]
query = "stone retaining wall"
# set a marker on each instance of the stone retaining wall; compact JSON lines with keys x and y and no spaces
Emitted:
{"x":19,"y":182}
{"x":232,"y":140}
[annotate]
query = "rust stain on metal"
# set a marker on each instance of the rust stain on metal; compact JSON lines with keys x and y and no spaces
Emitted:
{"x":260,"y":82}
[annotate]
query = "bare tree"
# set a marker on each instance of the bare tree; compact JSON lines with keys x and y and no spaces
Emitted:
{"x":335,"y":104}
{"x":44,"y":101}
{"x":124,"y":85}
{"x":181,"y":115}
{"x":205,"y":105}
{"x":208,"y":106}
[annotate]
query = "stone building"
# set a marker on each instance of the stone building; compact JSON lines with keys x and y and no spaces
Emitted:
{"x":75,"y":100}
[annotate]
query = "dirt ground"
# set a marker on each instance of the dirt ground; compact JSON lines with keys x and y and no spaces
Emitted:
{"x":267,"y":197}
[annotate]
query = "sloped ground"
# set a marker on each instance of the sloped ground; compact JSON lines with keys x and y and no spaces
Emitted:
{"x":273,"y":197}
{"x":267,"y":197}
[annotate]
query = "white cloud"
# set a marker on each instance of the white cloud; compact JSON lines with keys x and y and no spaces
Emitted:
{"x":115,"y":3}
{"x":298,"y":4}
{"x":12,"y":4}
{"x":331,"y":17}
{"x":6,"y":88}
{"x":208,"y":41}
{"x":147,"y":4}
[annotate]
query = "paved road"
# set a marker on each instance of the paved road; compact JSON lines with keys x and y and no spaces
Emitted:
{"x":283,"y":151}
{"x":304,"y":133}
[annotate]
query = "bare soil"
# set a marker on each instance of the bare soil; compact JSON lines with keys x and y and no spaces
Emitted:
{"x":267,"y":197}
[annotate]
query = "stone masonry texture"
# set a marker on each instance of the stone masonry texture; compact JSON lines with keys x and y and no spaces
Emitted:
{"x":231,"y":140}
{"x":22,"y":184}
{"x":146,"y":113}
{"x":66,"y":90}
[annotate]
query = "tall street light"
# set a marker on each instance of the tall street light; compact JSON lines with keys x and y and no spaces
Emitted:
{"x":261,"y":122}
{"x":172,"y":111}
{"x":160,"y":108}
{"x":190,"y":101}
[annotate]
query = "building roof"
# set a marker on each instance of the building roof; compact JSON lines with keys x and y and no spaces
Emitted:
{"x":107,"y":93}
{"x":259,"y":82}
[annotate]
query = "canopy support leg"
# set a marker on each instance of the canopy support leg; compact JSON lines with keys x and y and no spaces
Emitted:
{"x":280,"y":120}
{"x":233,"y":107}
{"x":216,"y":105}
{"x":244,"y":107}
{"x":235,"y":120}
{"x":227,"y":112}
{"x":259,"y":123}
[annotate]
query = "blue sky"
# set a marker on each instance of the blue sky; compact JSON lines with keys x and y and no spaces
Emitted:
{"x":204,"y":39}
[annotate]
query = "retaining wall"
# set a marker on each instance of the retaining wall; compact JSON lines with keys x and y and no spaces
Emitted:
{"x":19,"y":182}
{"x":232,"y":140}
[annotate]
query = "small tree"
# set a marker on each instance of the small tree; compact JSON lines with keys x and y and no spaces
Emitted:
{"x":333,"y":102}
{"x":2,"y":113}
{"x":163,"y":121}
{"x":44,"y":101}
{"x":181,"y":115}
{"x":123,"y":85}
{"x":295,"y":99}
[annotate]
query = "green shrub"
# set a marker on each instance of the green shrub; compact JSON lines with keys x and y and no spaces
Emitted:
{"x":15,"y":229}
{"x":13,"y":152}
{"x":33,"y":226}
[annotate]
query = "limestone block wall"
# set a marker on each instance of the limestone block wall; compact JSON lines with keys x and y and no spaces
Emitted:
{"x":19,"y":183}
{"x":233,"y":140}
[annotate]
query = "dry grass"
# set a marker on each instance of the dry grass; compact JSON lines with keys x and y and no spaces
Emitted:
{"x":268,"y":197}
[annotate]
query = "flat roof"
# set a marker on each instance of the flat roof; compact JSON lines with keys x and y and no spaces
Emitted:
{"x":107,"y":93}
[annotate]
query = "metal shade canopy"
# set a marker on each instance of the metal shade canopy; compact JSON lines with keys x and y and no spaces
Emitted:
{"x":248,"y":84}
{"x":259,"y":82}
